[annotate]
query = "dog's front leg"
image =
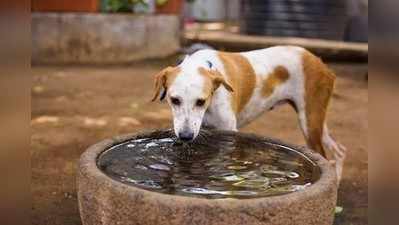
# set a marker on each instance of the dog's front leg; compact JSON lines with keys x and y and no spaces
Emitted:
{"x":228,"y":124}
{"x":220,"y":120}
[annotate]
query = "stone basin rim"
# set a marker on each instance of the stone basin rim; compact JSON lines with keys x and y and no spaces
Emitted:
{"x":88,"y":167}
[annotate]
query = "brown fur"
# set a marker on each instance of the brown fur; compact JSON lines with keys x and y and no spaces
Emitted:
{"x":279,"y":76}
{"x":214,"y":79}
{"x":242,"y":78}
{"x":164,"y":79}
{"x":209,"y":86}
{"x":319,"y":85}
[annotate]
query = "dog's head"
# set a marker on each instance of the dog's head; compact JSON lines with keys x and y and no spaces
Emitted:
{"x":188,"y":89}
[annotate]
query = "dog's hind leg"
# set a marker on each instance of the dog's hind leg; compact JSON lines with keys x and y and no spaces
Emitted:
{"x":312,"y":110}
{"x":337,"y":149}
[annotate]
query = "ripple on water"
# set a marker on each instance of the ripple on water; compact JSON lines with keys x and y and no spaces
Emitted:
{"x":217,"y":167}
{"x":159,"y":167}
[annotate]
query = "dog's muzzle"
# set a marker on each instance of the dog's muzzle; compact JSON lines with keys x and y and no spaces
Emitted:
{"x":186,"y":136}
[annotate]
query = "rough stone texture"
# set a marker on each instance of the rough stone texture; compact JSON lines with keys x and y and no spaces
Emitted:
{"x":103,"y":201}
{"x":84,"y":38}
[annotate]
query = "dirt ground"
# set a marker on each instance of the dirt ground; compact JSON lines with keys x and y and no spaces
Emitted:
{"x":75,"y":107}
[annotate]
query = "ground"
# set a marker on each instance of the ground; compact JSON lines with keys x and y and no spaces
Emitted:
{"x":75,"y":107}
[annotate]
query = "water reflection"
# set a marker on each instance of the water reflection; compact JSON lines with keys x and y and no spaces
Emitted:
{"x":214,"y":166}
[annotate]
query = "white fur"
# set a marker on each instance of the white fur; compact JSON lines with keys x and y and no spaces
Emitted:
{"x":189,"y":83}
{"x":188,"y":87}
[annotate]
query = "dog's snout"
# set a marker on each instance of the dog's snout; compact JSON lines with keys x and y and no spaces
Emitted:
{"x":186,"y":136}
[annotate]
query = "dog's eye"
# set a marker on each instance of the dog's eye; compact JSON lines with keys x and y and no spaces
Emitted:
{"x":175,"y":101}
{"x":200,"y":102}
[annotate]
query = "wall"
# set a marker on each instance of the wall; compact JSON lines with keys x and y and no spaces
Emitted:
{"x":84,"y":38}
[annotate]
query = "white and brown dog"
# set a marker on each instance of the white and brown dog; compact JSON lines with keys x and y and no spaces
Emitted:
{"x":228,"y":90}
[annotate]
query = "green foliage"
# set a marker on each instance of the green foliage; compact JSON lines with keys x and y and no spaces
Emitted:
{"x":120,"y":5}
{"x":127,"y":5}
{"x":161,"y":2}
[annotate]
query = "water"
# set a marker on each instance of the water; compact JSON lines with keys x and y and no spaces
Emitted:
{"x":215,"y":166}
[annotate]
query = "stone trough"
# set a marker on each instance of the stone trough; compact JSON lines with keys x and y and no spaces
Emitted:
{"x":105,"y":200}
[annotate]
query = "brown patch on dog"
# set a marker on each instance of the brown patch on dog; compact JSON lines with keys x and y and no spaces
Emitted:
{"x":164,"y":79}
{"x":209,"y":86}
{"x":242,"y":78}
{"x":279,"y":76}
{"x":213,"y":79}
{"x":319,"y":85}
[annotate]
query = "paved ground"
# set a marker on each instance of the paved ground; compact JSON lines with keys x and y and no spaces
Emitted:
{"x":73,"y":108}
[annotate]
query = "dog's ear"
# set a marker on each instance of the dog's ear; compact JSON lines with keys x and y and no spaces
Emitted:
{"x":160,"y":82}
{"x":217,"y":78}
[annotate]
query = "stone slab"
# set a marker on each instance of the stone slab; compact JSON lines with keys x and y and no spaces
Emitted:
{"x":104,"y":201}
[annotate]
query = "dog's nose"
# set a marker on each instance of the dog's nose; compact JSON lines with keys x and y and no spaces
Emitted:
{"x":186,"y":136}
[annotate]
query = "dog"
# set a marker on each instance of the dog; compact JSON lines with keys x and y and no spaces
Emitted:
{"x":228,"y":90}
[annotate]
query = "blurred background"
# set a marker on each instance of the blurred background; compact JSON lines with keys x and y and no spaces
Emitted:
{"x":93,"y":63}
{"x":123,"y":31}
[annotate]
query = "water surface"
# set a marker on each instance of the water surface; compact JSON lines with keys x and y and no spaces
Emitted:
{"x":216,"y":165}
